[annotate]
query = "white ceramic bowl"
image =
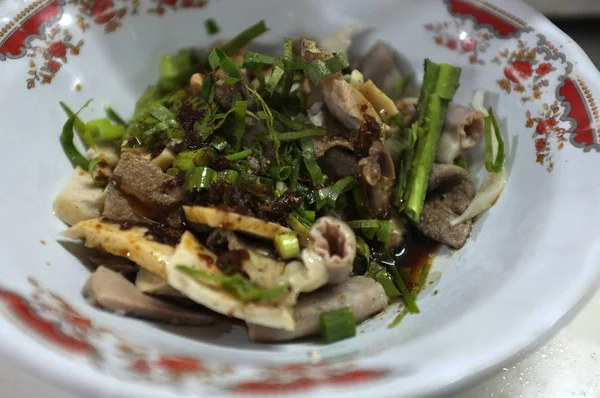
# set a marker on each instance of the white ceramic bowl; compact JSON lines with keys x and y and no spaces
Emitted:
{"x":529,"y":263}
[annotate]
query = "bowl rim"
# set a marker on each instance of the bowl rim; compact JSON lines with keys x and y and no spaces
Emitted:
{"x":91,"y":383}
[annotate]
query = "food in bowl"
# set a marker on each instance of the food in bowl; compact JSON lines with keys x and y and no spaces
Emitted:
{"x":297,"y":193}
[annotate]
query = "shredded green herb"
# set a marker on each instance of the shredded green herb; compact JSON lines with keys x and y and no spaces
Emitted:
{"x":211,"y":27}
{"x":66,"y":141}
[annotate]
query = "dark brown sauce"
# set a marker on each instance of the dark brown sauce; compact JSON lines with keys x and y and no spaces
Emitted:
{"x":416,"y":253}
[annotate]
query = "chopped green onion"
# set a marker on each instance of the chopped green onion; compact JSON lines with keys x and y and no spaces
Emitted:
{"x":228,"y":176}
{"x":199,"y":178}
{"x":373,"y":229}
{"x":211,"y":27}
{"x":491,"y":124}
{"x":422,"y":279}
{"x":219,"y":143}
{"x":384,"y":232}
{"x":295,"y":170}
{"x":218,"y":58}
{"x":296,"y":135}
{"x":360,"y":224}
{"x":244,"y":38}
{"x":234,"y":157}
{"x":208,"y":88}
{"x":186,"y":160}
{"x":281,"y":186}
{"x":338,"y":189}
{"x":172,"y":171}
{"x":288,"y":57}
{"x":237,"y":284}
{"x":308,"y":215}
{"x":66,"y":141}
{"x":287,"y":122}
{"x":84,"y":134}
{"x":385,"y":280}
{"x":114,"y":116}
{"x":103,"y":130}
{"x":163,"y":114}
{"x":308,"y":154}
{"x":91,"y":169}
{"x":317,"y":70}
{"x":274,"y":79}
{"x":298,"y":227}
{"x":265,"y":59}
{"x":93,"y":165}
{"x":279,"y":173}
{"x":337,"y":325}
{"x":409,"y":300}
{"x":176,"y":70}
{"x":398,"y":318}
{"x":287,"y":246}
{"x":362,"y":248}
{"x":239,"y":110}
{"x":287,"y":49}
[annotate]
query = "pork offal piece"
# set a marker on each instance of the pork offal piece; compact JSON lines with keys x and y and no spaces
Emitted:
{"x":364,"y":296}
{"x":143,"y":192}
{"x":450,"y":192}
{"x":463,"y":129}
{"x":335,"y":242}
{"x":111,"y":291}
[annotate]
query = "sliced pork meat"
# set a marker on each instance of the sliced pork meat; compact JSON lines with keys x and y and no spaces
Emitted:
{"x":142,"y":192}
{"x":463,"y":129}
{"x":112,"y":292}
{"x":117,"y":264}
{"x":346,"y":103}
{"x":398,"y":231}
{"x":380,"y":66}
{"x":408,"y":108}
{"x":377,"y":176}
{"x":335,"y":242}
{"x":450,"y":192}
{"x":339,"y":162}
{"x":364,"y":296}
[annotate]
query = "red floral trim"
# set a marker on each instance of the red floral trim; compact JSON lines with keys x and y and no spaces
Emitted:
{"x":571,"y":93}
{"x":357,"y":376}
{"x":21,"y":309}
{"x":50,"y":317}
{"x":532,"y":67}
{"x":487,"y":14}
{"x":16,"y":35}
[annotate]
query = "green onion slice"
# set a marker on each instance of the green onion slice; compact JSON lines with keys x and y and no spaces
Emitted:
{"x":244,"y":38}
{"x":66,"y":141}
{"x":199,"y":178}
{"x":337,"y":325}
{"x":287,"y":245}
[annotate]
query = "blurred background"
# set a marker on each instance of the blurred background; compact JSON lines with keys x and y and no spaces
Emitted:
{"x":577,"y":18}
